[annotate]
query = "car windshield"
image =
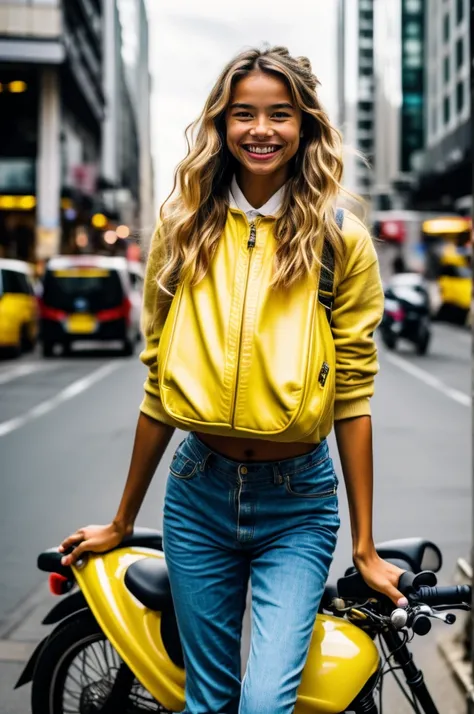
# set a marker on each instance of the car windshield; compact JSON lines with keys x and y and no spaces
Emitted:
{"x":82,"y":289}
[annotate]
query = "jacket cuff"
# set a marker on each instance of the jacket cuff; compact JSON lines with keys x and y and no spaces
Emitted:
{"x":153,"y":407}
{"x":348,"y":409}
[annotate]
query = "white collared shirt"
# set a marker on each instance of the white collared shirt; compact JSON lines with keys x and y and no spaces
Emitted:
{"x":238,"y":200}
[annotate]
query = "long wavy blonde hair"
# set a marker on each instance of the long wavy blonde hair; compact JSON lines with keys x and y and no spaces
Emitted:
{"x":193,"y":216}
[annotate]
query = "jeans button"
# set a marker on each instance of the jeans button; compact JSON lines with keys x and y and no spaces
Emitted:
{"x":243,"y":470}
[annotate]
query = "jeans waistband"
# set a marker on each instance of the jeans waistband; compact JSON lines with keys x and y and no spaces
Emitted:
{"x":251,"y":470}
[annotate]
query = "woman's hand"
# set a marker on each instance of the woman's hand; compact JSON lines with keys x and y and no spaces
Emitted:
{"x":96,"y":539}
{"x":381,"y":576}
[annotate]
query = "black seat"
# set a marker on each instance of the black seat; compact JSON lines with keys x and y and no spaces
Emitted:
{"x":144,"y":538}
{"x":147,"y":579}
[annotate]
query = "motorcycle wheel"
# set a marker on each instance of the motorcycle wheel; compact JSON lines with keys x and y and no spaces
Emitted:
{"x":77,"y":671}
{"x":423,"y":342}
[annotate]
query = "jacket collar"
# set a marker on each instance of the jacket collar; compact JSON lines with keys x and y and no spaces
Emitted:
{"x":237,"y":200}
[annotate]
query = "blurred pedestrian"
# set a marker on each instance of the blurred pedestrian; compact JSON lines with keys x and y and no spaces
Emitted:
{"x":255,"y":350}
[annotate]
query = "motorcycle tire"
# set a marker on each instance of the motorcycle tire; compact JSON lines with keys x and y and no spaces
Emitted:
{"x":54,"y":674}
{"x":423,"y":343}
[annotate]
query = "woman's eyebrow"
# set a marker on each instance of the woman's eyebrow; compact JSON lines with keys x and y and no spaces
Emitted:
{"x":241,"y":105}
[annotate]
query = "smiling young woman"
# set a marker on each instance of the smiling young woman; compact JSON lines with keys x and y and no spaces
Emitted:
{"x":261,"y":302}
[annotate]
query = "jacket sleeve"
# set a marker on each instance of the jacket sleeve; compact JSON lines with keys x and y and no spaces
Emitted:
{"x":152,"y":328}
{"x":358,"y":309}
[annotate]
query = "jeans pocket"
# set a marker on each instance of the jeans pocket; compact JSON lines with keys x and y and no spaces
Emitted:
{"x":317,"y":481}
{"x":183,"y":468}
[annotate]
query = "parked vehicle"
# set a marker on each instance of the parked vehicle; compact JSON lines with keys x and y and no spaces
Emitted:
{"x":18,"y":307}
{"x":88,"y":297}
{"x":406,"y":312}
{"x":455,"y":285}
{"x":116,"y":646}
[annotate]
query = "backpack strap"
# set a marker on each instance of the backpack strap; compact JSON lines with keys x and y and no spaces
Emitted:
{"x":326,"y":278}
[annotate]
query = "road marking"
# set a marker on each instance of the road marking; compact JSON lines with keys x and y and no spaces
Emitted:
{"x":48,"y":405}
{"x":429,"y":379}
{"x":21,"y":370}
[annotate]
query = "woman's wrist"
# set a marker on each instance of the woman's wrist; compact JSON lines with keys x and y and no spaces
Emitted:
{"x":363,"y":553}
{"x":122,"y":526}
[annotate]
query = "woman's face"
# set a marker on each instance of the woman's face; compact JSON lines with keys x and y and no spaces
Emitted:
{"x":263,"y":124}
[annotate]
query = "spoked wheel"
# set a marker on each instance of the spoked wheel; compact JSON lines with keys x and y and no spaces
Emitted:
{"x":79,"y":672}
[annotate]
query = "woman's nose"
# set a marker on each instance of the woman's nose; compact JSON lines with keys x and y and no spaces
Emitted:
{"x":261,"y":130}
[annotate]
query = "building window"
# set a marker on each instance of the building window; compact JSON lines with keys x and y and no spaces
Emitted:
{"x":413,"y":6}
{"x":446,"y":69}
{"x":365,"y":125}
{"x":446,"y":110}
{"x":434,"y":120}
{"x":459,"y":11}
{"x":459,"y":53}
{"x":460,"y":97}
{"x":446,"y":28}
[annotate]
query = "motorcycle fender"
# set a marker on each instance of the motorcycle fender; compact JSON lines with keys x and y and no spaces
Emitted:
{"x":28,"y":673}
{"x":132,"y":629}
{"x":65,"y":607}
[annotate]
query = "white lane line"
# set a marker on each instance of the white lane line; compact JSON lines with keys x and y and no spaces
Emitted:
{"x":429,"y":379}
{"x":21,"y":370}
{"x":48,"y":405}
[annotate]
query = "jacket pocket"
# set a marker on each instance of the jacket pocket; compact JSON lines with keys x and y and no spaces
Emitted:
{"x":316,"y":481}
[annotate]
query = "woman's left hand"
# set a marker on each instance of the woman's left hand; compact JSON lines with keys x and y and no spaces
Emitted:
{"x":381,"y":576}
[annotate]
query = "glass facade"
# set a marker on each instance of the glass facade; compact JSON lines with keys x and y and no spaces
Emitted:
{"x":412,"y":113}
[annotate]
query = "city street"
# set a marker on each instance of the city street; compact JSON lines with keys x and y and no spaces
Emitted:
{"x":66,"y":431}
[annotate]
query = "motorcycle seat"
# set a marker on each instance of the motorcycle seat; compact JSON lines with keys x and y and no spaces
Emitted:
{"x":147,"y":579}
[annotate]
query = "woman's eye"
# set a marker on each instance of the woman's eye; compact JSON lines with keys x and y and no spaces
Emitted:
{"x":243,"y":115}
{"x":281,"y":115}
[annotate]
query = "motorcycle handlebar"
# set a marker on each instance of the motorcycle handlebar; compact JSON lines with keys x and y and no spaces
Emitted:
{"x":430,"y":594}
{"x":444,"y":595}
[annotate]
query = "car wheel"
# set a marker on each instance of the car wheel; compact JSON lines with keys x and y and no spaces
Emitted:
{"x":128,"y":348}
{"x":47,"y":349}
{"x":27,"y":343}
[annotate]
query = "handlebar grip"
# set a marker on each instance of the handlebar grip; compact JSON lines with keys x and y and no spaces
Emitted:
{"x":445,"y":595}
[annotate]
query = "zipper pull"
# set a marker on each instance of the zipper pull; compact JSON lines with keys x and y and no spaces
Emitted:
{"x":252,"y":237}
{"x":323,"y":374}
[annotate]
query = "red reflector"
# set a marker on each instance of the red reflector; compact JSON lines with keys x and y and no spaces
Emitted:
{"x":50,"y":313}
{"x":116,"y":313}
{"x":59,"y":584}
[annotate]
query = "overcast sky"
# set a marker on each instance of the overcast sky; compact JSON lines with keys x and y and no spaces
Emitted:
{"x":191,"y":40}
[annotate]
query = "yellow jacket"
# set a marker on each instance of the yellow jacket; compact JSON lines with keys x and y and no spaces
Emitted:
{"x":238,"y":359}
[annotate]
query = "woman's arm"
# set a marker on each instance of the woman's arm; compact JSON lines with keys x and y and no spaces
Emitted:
{"x":354,"y":442}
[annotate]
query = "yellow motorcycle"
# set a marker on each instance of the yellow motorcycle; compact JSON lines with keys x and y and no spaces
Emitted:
{"x":116,"y":646}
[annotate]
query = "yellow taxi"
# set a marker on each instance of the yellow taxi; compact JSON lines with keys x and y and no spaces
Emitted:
{"x":18,"y":307}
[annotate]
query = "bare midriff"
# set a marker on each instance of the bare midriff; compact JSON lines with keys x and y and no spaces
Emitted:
{"x":253,"y":449}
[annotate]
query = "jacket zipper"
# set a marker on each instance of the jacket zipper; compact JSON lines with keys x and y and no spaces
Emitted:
{"x":252,"y":239}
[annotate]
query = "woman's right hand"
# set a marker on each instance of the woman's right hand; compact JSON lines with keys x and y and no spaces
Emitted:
{"x":95,"y":539}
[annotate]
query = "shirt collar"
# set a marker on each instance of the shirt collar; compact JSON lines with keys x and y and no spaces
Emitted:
{"x":238,"y":200}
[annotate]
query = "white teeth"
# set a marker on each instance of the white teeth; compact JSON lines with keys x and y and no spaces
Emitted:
{"x":262,"y":149}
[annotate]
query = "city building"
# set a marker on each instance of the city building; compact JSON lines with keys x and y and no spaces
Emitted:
{"x":444,"y":167}
{"x":357,"y":92}
{"x":136,"y":57}
{"x":51,"y":113}
{"x":71,"y":167}
{"x":119,"y":180}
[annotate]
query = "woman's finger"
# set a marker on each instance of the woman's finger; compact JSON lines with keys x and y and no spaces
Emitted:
{"x":76,"y":553}
{"x":70,"y":540}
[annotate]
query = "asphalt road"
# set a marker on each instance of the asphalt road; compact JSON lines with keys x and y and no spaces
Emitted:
{"x":66,"y":431}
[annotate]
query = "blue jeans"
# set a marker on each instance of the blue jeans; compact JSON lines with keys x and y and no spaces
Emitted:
{"x":274,"y":522}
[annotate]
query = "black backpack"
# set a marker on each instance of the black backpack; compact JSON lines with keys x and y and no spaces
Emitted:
{"x":326,"y":279}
